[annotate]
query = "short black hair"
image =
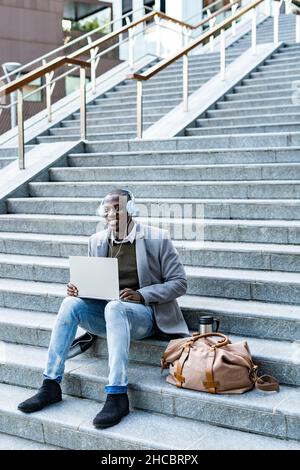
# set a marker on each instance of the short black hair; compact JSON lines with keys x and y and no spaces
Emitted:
{"x":119,"y":192}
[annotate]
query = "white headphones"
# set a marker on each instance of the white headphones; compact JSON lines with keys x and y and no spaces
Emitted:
{"x":131,"y":206}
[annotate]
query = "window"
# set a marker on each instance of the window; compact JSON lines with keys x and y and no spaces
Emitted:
{"x":72,"y":83}
{"x":126,"y":8}
{"x":36,"y":97}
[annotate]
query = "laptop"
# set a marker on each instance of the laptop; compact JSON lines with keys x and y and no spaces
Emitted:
{"x":95,"y":277}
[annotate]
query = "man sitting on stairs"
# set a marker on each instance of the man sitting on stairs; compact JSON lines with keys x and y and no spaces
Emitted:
{"x":151,"y":277}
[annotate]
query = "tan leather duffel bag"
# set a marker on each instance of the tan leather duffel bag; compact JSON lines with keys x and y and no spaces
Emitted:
{"x":201,"y":363}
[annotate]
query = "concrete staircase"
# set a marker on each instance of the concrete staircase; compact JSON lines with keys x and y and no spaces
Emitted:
{"x":239,"y":162}
{"x":264,"y":102}
{"x":245,"y":273}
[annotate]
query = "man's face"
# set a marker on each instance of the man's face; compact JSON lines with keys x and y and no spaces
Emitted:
{"x":115,"y":212}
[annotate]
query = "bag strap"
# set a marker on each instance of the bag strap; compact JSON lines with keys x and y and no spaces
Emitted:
{"x":179,"y":365}
{"x":219,"y":344}
{"x":175,"y":348}
{"x":267,"y":383}
{"x":210,"y":383}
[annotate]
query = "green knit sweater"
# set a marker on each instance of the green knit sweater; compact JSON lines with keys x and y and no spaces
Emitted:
{"x":128,"y":276}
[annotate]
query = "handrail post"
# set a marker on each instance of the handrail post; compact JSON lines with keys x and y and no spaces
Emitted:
{"x":21,"y":129}
{"x":139,"y":109}
{"x":268,"y":7}
{"x":234,"y":7}
{"x":82,"y":104}
{"x":222,"y":54}
{"x":94,"y":64}
{"x":185,"y":80}
{"x":158,"y":35}
{"x":211,"y":24}
{"x":49,"y":91}
{"x":48,"y":79}
{"x":253,"y":34}
{"x":287,"y":7}
{"x":277,"y":6}
{"x":298,"y":27}
{"x":130,"y":43}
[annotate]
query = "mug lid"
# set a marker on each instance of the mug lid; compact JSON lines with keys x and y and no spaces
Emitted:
{"x":206,"y":320}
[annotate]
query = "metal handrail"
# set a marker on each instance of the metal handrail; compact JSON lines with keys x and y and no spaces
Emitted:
{"x":69,"y":72}
{"x":18,"y":84}
{"x":73,"y":42}
{"x":220,"y":28}
{"x":206,"y":19}
{"x":49,"y":68}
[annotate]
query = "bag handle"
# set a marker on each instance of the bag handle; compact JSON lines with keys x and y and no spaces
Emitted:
{"x":225,"y":340}
{"x":267,"y":383}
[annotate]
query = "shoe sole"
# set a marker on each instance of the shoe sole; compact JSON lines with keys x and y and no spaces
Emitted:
{"x":38,"y":409}
{"x":104,"y":426}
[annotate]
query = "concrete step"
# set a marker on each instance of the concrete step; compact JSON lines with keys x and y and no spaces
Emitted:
{"x":285,"y":67}
{"x":256,"y":95}
{"x":272,"y":356}
{"x":99,"y":111}
{"x":254,"y":80}
{"x":248,"y":231}
{"x":129,"y":101}
{"x":213,"y":208}
{"x":239,"y":317}
{"x":244,"y":128}
{"x":249,"y":318}
{"x":258,"y":120}
{"x":220,"y":156}
{"x":66,"y":132}
{"x":12,"y":443}
{"x":172,"y":77}
{"x":261,"y":110}
{"x":267,"y":86}
{"x":130,"y":98}
{"x":266,"y":286}
{"x":284,"y":57}
{"x":6,"y":161}
{"x":122,"y":114}
{"x":283,"y":139}
{"x":271,"y":257}
{"x":254,"y":171}
{"x":268,"y":72}
{"x":97,"y":125}
{"x":98,"y":129}
{"x":25,"y":365}
{"x":62,"y":137}
{"x":165,"y":85}
{"x":8,"y":152}
{"x":130,"y":91}
{"x":259,"y":103}
{"x":70,"y":422}
{"x":266,"y":189}
{"x":114,"y":121}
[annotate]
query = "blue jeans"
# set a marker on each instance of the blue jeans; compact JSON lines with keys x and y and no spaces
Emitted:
{"x":119,"y":321}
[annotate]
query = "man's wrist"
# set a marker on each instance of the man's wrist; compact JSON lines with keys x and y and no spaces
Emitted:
{"x":141,"y":297}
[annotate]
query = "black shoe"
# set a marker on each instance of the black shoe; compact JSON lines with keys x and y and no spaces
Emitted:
{"x":81,"y":344}
{"x":49,"y":393}
{"x":114,"y":409}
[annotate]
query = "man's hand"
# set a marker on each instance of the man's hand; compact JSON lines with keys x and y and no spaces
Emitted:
{"x":72,"y":290}
{"x":129,"y":294}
